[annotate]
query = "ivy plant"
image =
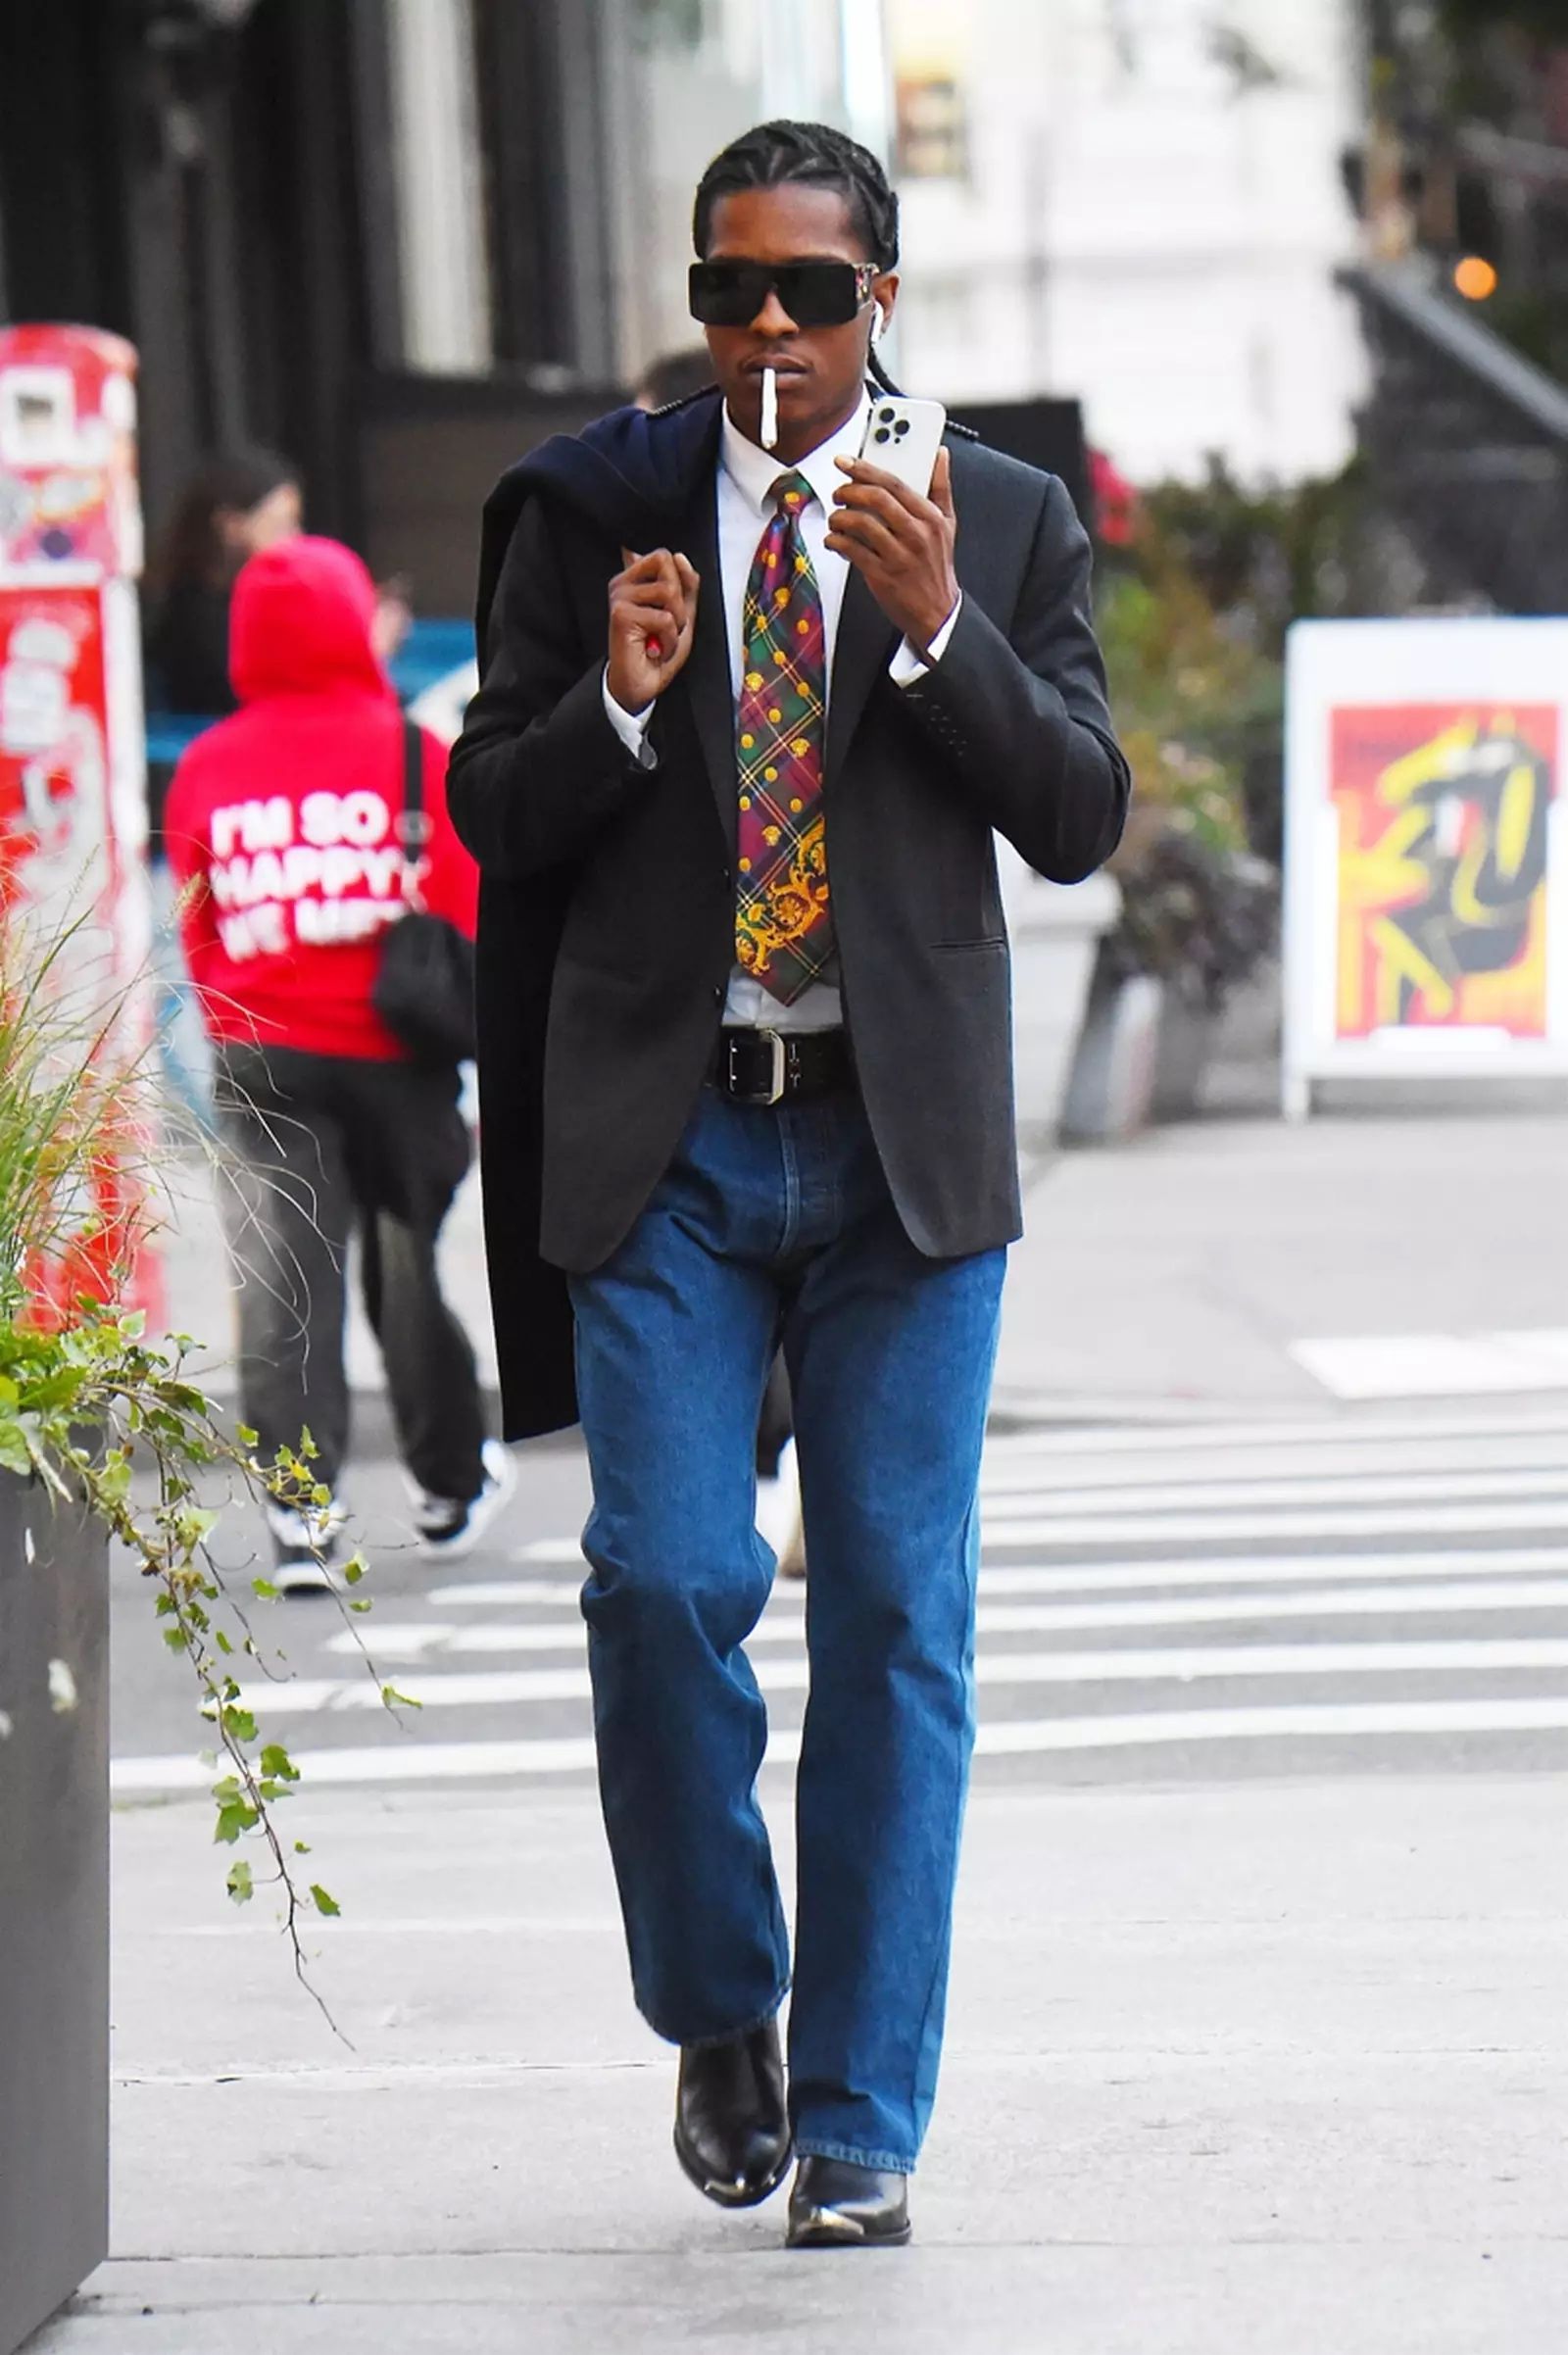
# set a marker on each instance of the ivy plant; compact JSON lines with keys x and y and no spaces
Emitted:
{"x":113,"y":1422}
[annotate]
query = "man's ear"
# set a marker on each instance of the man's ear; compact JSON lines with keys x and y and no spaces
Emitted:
{"x":885,"y":295}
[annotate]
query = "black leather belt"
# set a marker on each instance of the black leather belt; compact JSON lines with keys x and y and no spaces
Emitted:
{"x":780,"y":1067}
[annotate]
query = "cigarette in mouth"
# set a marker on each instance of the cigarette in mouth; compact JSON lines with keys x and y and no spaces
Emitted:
{"x":770,"y":408}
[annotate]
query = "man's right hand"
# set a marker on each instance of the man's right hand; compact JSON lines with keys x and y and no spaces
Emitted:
{"x":653,"y":612}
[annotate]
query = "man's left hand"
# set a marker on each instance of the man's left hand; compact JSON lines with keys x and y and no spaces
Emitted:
{"x":899,"y":543}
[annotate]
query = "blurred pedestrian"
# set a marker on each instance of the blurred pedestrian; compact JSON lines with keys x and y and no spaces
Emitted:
{"x":676,"y":376}
{"x":284,"y":822}
{"x":235,"y":504}
{"x":747,"y":718}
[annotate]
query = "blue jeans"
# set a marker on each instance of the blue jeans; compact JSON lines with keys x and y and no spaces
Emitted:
{"x":770,"y":1221}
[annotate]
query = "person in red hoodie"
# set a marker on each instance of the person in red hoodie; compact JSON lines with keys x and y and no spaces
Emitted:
{"x":282,"y":832}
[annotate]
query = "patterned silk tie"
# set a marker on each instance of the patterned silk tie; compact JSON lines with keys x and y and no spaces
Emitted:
{"x":783,"y":922}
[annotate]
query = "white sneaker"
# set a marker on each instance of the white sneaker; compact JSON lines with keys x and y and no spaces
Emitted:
{"x":449,"y":1527}
{"x":304,"y":1545}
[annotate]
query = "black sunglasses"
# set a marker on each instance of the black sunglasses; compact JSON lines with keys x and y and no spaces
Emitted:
{"x":816,"y":294}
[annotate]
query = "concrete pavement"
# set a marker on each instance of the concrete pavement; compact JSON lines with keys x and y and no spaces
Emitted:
{"x":1172,"y":1277}
{"x":1276,"y":2065}
{"x":1278,"y":2068}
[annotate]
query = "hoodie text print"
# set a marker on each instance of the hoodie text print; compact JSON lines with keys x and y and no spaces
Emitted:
{"x":281,"y":820}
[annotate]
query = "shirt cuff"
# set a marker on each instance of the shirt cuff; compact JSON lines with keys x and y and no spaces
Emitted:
{"x":906,"y":666}
{"x":630,"y":726}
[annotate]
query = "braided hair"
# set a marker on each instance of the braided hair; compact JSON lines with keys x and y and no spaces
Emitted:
{"x":776,"y":153}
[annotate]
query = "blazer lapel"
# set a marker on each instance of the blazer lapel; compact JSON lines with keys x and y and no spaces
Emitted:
{"x":865,"y":649}
{"x":707,"y":676}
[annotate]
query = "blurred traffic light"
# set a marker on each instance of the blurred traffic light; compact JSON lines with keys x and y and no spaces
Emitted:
{"x":1475,"y":277}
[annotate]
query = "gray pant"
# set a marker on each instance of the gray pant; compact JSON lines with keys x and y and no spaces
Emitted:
{"x":316,"y":1146}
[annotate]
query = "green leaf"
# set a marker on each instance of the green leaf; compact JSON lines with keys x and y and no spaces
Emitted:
{"x":238,"y":1724}
{"x":240,"y":1884}
{"x":114,"y":1476}
{"x":239,"y":1816}
{"x":275,"y":1760}
{"x":174,"y":1640}
{"x":62,"y":1389}
{"x":392,"y":1699}
{"x":302,"y":1848}
{"x":359,"y":1602}
{"x":263,"y":1589}
{"x":354,"y":1571}
{"x":221,"y":1640}
{"x":246,"y":1437}
{"x":15,"y":1454}
{"x":324,"y":1903}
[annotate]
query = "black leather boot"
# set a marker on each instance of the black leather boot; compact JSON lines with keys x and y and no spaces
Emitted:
{"x":836,"y":2204}
{"x":732,"y":2131}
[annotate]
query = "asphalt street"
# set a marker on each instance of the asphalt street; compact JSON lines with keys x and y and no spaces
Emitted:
{"x":1367,"y":1589}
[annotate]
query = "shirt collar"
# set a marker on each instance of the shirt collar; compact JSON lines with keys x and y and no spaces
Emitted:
{"x":754,"y":471}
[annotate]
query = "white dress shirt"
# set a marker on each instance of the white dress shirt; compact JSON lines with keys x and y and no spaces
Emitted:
{"x":746,"y":474}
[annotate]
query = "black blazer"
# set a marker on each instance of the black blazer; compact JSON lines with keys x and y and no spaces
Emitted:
{"x":607,"y":909}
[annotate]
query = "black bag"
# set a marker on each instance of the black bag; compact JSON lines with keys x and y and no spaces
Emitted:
{"x":424,"y":983}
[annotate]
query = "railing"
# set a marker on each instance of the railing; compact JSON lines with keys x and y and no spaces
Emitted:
{"x":1467,"y":445}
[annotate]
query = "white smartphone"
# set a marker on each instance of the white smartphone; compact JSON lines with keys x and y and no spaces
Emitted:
{"x":903,"y":436}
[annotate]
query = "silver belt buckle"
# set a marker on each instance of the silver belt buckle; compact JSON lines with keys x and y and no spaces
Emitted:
{"x":775,"y":1091}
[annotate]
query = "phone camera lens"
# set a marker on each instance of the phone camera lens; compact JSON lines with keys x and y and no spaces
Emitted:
{"x":881,"y":433}
{"x":885,"y":416}
{"x":901,"y":428}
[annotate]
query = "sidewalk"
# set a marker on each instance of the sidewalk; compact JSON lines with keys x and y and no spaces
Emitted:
{"x":1276,"y":2069}
{"x":1171,"y":1277}
{"x":1264,"y":2067}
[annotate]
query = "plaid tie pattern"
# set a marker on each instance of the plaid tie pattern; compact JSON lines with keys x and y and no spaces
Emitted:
{"x":783,"y":922}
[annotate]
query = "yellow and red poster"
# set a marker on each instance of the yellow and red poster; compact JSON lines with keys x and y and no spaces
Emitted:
{"x":1442,"y":869}
{"x":1426,"y":851}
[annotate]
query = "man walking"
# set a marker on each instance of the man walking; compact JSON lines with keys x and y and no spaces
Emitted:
{"x":747,"y":721}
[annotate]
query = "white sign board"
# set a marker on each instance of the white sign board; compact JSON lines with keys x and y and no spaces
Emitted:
{"x":1426,"y":851}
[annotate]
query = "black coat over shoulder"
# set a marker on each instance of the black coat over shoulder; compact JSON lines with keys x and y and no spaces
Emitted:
{"x":606,"y":923}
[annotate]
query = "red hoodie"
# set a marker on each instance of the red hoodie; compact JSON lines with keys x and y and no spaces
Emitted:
{"x":282,"y":816}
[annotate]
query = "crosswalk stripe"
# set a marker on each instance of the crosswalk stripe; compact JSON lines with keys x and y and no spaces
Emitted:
{"x":396,"y":1644}
{"x":1096,"y":1577}
{"x":1010,"y":1475}
{"x":1349,"y":1520}
{"x":1178,"y":1572}
{"x":473,"y":1689}
{"x":1328,"y":1488}
{"x":1379,"y":1530}
{"x":486,"y":1593}
{"x":420,"y":1761}
{"x":1308,"y":1720}
{"x":1360,"y":1428}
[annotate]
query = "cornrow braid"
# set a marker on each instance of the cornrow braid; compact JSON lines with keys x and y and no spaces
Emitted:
{"x":772,"y":154}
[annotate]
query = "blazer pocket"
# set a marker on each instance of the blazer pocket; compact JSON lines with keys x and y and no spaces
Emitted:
{"x":993,"y":942}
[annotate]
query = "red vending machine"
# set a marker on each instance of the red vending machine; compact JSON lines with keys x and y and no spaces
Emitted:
{"x":73,"y":786}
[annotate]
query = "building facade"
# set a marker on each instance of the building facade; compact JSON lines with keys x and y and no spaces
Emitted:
{"x":291,"y":207}
{"x":1138,"y":201}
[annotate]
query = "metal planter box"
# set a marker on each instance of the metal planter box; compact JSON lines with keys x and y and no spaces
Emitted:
{"x":54,"y":1905}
